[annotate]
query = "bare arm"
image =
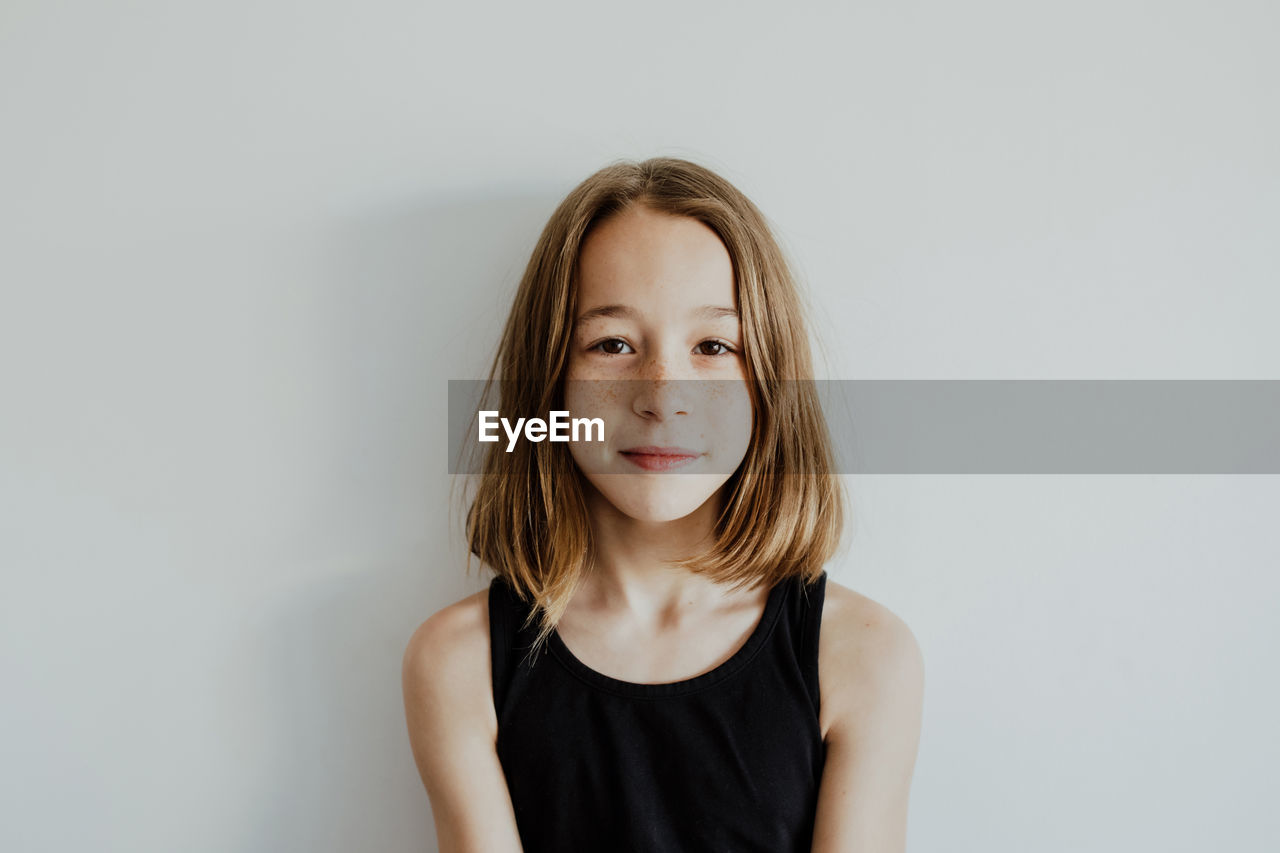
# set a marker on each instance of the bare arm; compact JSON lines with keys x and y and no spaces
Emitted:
{"x":875,"y":680}
{"x":448,"y":702}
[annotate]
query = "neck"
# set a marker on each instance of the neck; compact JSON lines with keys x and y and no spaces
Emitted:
{"x":630,"y":562}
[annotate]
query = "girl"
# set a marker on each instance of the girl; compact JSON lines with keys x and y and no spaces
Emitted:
{"x":660,"y":662}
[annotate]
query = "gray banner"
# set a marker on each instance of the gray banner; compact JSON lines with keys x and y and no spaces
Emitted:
{"x":932,"y":426}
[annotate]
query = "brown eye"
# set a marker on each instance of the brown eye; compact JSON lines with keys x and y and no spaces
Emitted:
{"x":723,"y":348}
{"x":612,"y":346}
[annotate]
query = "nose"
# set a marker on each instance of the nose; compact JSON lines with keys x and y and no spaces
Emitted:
{"x":660,"y":390}
{"x":661,"y":398}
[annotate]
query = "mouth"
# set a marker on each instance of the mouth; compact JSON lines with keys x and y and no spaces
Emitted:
{"x":659,"y":458}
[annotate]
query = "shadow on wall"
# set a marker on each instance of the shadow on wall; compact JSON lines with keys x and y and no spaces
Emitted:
{"x":412,"y":297}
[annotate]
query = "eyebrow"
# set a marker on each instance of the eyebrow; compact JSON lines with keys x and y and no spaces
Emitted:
{"x":707,"y":312}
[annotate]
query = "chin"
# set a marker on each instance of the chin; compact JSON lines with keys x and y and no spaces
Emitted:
{"x":660,"y":500}
{"x":659,"y":513}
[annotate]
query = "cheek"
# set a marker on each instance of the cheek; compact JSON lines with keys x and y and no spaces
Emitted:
{"x":587,"y":397}
{"x":592,"y":399}
{"x":730,"y":415}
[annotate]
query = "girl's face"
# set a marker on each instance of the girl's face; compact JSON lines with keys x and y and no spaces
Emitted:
{"x":656,"y":353}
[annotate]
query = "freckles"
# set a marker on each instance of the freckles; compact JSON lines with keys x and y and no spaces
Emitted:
{"x":725,"y":389}
{"x":599,"y":393}
{"x":728,"y":401}
{"x":593,"y":398}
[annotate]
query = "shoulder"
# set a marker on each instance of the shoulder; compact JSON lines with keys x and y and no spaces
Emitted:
{"x":456,"y":631}
{"x":871,"y":677}
{"x":453,"y":728}
{"x":447,"y":663}
{"x":869,"y":663}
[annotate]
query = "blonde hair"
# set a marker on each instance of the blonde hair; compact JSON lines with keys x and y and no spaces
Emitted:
{"x":783,"y":512}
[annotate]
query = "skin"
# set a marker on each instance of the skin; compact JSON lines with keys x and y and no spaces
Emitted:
{"x":635,"y":618}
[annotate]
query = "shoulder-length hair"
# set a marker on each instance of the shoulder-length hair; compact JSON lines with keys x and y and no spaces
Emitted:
{"x":784,"y":509}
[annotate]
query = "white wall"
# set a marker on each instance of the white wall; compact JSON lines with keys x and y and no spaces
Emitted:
{"x":246,"y":244}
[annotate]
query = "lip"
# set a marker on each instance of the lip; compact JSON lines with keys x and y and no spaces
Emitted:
{"x":652,"y":458}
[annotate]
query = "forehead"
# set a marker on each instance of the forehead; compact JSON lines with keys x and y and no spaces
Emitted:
{"x":655,"y":261}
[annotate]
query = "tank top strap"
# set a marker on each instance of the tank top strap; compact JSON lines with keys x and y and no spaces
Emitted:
{"x":804,"y":613}
{"x":506,"y":614}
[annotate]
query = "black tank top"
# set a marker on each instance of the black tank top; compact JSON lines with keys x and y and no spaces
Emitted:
{"x":730,"y":760}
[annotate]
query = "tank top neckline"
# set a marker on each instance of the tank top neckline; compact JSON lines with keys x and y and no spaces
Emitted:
{"x":735,"y":662}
